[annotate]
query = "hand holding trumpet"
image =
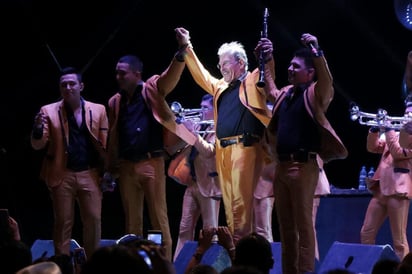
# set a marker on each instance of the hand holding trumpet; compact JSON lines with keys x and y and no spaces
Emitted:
{"x":192,"y":118}
{"x":381,"y":119}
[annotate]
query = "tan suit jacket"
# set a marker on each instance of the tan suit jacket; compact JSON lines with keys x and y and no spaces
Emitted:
{"x":56,"y":131}
{"x":256,"y":102}
{"x":317,"y":98}
{"x":154,"y":91}
{"x":205,"y":167}
{"x":394,"y":157}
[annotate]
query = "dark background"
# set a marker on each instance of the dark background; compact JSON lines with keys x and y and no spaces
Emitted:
{"x":365,"y":45}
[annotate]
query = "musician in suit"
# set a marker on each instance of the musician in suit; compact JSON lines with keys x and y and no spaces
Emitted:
{"x":139,"y":119}
{"x":391,"y":187}
{"x":202,"y":195}
{"x":301,"y":136}
{"x":73,"y":132}
{"x":240,"y":116}
{"x":264,"y":201}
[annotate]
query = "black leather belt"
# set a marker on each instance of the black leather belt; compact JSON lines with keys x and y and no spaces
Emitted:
{"x":246,"y":140}
{"x":400,"y":170}
{"x":299,"y":156}
{"x":228,"y":142}
{"x":147,"y":155}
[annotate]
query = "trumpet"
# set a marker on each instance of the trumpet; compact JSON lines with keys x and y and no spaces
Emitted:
{"x":380,"y":119}
{"x":194,"y":115}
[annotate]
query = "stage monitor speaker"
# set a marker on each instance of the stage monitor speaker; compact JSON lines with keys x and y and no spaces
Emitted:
{"x":215,"y":256}
{"x":358,"y":258}
{"x":45,"y":248}
{"x":107,"y":242}
{"x":277,"y":257}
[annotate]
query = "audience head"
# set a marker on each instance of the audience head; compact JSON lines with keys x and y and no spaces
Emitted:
{"x":6,"y":231}
{"x":41,"y":268}
{"x":115,"y":259}
{"x":339,"y":271}
{"x":385,"y":266}
{"x":254,"y":250}
{"x":203,"y":269}
{"x":405,"y":266}
{"x":241,"y":269}
{"x":14,"y":255}
{"x":64,"y":261}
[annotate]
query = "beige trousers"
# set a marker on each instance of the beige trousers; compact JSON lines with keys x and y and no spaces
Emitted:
{"x":140,"y":182}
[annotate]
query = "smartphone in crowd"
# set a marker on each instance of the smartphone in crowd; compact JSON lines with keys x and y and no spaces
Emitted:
{"x":155,"y":236}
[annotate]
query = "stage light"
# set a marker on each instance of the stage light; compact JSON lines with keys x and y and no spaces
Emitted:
{"x":403,"y":10}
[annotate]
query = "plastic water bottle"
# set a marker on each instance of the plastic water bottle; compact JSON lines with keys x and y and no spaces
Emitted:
{"x":371,"y":172}
{"x":107,"y":183}
{"x":362,"y":178}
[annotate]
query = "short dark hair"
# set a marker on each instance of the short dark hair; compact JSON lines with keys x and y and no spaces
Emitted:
{"x":207,"y":97}
{"x":71,"y":70}
{"x":203,"y":269}
{"x":15,"y":255}
{"x":307,"y":55}
{"x":115,"y":259}
{"x":134,"y":62}
{"x":408,"y":100}
{"x":256,"y":251}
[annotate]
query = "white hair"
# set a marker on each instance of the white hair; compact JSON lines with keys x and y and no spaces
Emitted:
{"x":235,"y":49}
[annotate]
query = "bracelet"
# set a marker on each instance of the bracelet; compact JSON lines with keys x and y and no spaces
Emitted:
{"x":317,"y":52}
{"x":187,"y":45}
{"x":179,"y":56}
{"x":267,"y":59}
